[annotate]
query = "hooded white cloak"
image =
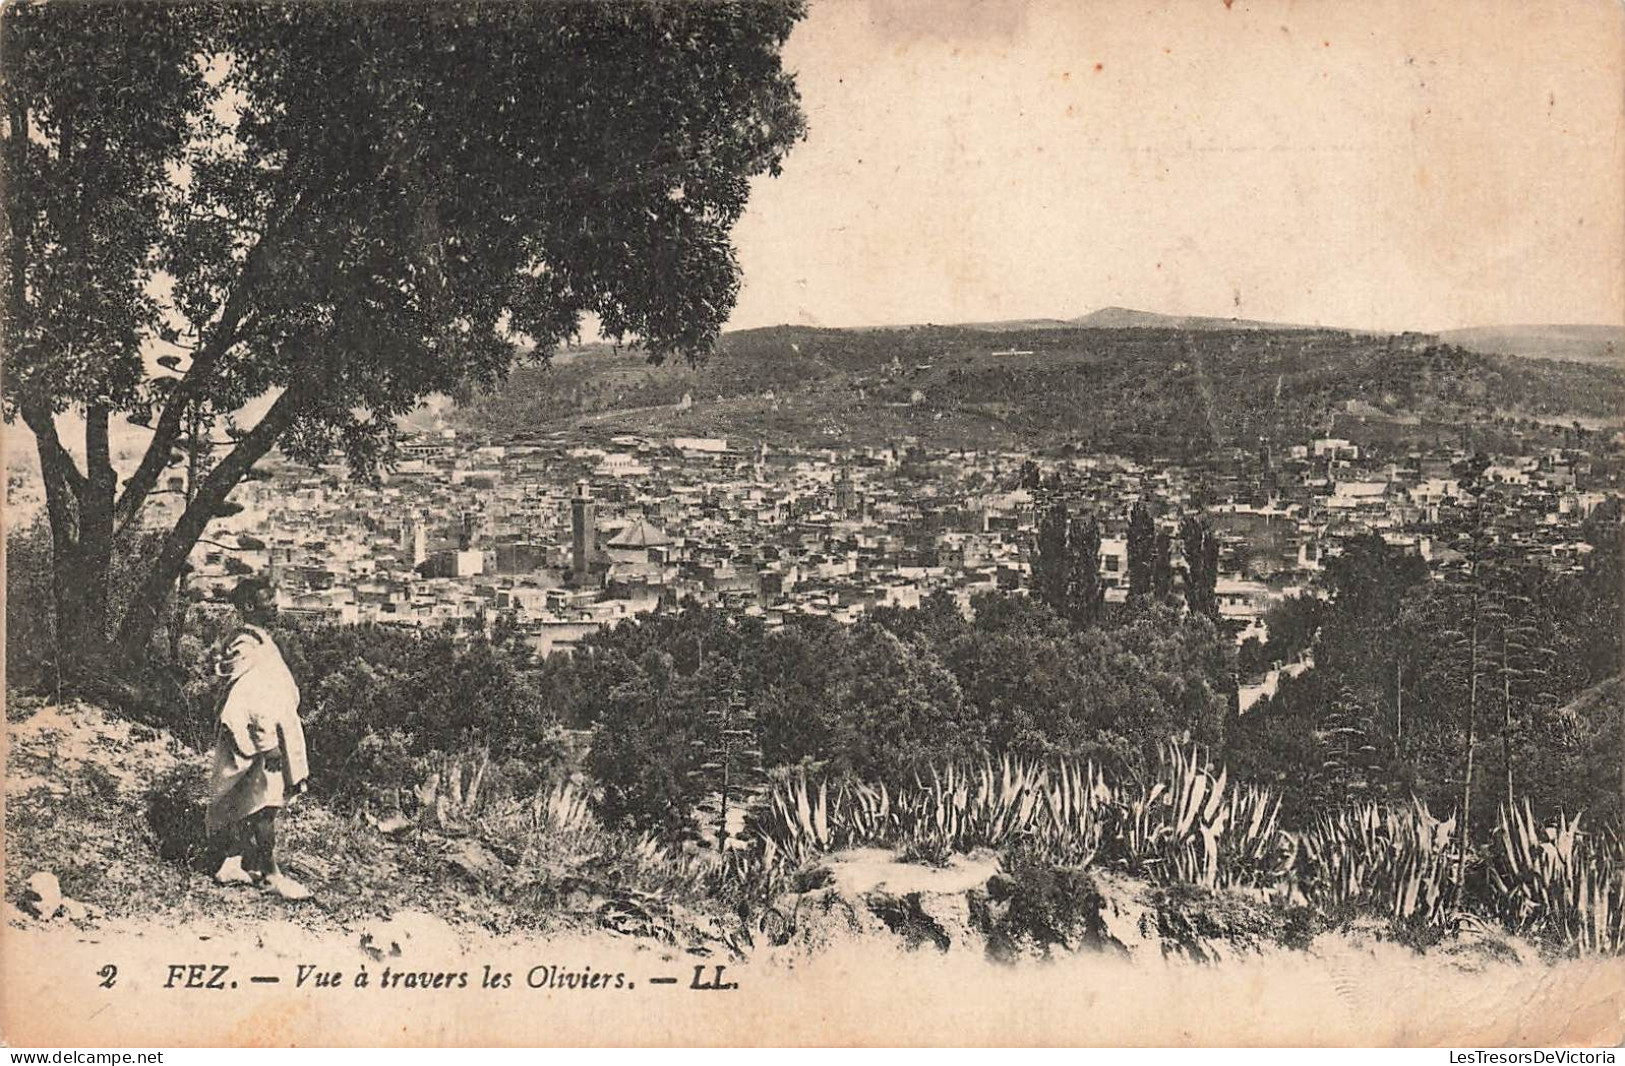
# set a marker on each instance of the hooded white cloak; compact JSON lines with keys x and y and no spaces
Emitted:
{"x":260,"y":743}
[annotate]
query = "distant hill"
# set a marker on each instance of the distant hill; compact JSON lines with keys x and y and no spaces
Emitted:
{"x":1132,"y":390}
{"x":1128,"y":318}
{"x":1004,"y":325}
{"x":1579,"y":344}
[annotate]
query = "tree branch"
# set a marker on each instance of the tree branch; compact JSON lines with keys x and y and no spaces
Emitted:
{"x":168,"y":428}
{"x":225,"y":333}
{"x":61,"y":493}
{"x":54,"y":458}
{"x":211,"y":492}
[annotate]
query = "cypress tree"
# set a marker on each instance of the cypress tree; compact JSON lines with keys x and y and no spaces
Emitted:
{"x":1142,"y":548}
{"x":1085,"y":593}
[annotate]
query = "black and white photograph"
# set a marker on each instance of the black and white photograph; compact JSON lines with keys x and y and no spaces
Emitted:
{"x":813,"y":523}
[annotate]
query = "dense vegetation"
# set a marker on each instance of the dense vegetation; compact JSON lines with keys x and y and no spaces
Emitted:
{"x":1014,"y":727}
{"x":889,"y":697}
{"x":1385,"y":712}
{"x":1189,"y":824}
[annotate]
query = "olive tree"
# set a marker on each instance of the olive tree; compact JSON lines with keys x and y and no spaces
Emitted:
{"x":323,"y":213}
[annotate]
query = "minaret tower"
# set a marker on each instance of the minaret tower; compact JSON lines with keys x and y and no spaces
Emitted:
{"x":582,"y":533}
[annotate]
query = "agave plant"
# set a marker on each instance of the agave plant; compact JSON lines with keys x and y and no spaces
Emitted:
{"x":1079,"y":809}
{"x":1559,"y":881}
{"x":1393,"y":859}
{"x":1252,"y":838}
{"x":562,"y":808}
{"x":453,"y":790}
{"x":796,"y":819}
{"x":1187,"y":824}
{"x":1190,"y":823}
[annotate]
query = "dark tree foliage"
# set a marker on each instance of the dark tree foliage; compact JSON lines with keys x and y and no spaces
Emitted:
{"x":368,"y":691}
{"x":1368,"y":579}
{"x":650,"y":743}
{"x":1600,"y":620}
{"x":1334,"y":732}
{"x":1066,"y":566}
{"x":1201,"y":550}
{"x":1052,"y":558}
{"x":890,"y":697}
{"x":1085,"y":592}
{"x":1385,"y":710}
{"x":1142,"y":551}
{"x":1293,"y":622}
{"x":337,"y":211}
{"x":1162,"y":566}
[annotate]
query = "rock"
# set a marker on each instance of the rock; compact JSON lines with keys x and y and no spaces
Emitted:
{"x":1028,"y":908}
{"x":477,"y":862}
{"x":774,"y":924}
{"x":636,"y":916}
{"x":818,"y":920}
{"x":74,"y":911}
{"x":906,"y":917}
{"x":1127,"y":920}
{"x":43,"y":895}
{"x":395,"y":823}
{"x":1208,"y":926}
{"x":307,"y":865}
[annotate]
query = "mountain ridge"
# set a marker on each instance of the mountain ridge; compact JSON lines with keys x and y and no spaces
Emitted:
{"x":1569,"y":342}
{"x":1128,"y":390}
{"x":1564,"y":341}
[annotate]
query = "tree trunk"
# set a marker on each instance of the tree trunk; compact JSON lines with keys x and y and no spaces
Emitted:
{"x":1472,"y":718}
{"x":78,"y":583}
{"x":90,"y":572}
{"x":1399,"y":710}
{"x":1506,"y":721}
{"x":164,"y":572}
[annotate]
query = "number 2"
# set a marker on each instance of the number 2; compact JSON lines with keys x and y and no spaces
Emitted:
{"x":108,"y":974}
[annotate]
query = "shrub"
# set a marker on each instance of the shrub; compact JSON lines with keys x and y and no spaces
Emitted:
{"x":1045,"y":906}
{"x":1558,"y":882}
{"x":30,"y":626}
{"x":383,"y":770}
{"x":176,"y":807}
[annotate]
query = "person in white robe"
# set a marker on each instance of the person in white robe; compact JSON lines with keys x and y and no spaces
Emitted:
{"x":259,"y":762}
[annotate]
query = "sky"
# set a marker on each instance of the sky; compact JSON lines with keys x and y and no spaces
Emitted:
{"x":1385,"y":165}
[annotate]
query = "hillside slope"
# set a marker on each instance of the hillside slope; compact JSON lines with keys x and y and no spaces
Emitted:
{"x":874,"y":942}
{"x":1603,"y":345}
{"x":1136,"y":391}
{"x":1129,"y":318}
{"x":113,"y":811}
